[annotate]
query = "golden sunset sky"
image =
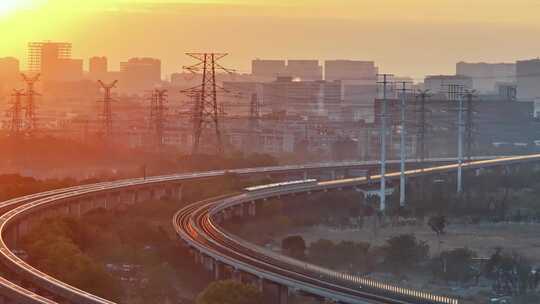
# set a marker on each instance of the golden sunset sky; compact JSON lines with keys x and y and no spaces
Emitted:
{"x":414,"y":37}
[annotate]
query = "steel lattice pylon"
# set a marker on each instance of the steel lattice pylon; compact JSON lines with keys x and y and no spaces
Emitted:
{"x":206,"y":108}
{"x":157,"y":116}
{"x":106,"y":116}
{"x":15,"y":114}
{"x":30,"y":107}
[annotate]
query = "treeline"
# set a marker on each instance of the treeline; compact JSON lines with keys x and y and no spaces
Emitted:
{"x":15,"y":185}
{"x":51,"y":156}
{"x":55,"y":246}
{"x":404,"y":255}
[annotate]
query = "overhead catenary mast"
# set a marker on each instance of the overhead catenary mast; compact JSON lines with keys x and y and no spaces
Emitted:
{"x":403,"y":147}
{"x":384,"y":117}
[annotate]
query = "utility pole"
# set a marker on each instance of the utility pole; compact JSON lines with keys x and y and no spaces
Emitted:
{"x":402,"y":146}
{"x":30,"y":113}
{"x":384,"y":115}
{"x":469,"y":123}
{"x":15,"y":114}
{"x":157,"y":116}
{"x":421,"y":96}
{"x":107,"y":119}
{"x":456,"y":92}
{"x":421,"y":154}
{"x":206,"y":109}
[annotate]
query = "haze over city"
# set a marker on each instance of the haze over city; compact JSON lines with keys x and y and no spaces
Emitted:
{"x":402,"y":36}
{"x":269,"y":152}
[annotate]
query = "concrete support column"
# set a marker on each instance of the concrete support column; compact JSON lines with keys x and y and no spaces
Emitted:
{"x":218,"y":270}
{"x":237,"y":276}
{"x":226,"y":214}
{"x":260,"y":284}
{"x":283,"y":294}
{"x":252,"y":209}
{"x":239,"y":210}
{"x":179,"y":193}
{"x":333,"y":174}
{"x":305,"y":174}
{"x":207,"y":262}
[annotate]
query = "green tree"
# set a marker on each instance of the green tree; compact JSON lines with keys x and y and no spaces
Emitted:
{"x":403,"y":251}
{"x":294,"y":246}
{"x":456,"y":265}
{"x":229,"y":292}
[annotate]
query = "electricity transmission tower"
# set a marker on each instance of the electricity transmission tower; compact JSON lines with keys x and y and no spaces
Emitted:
{"x":384,"y":116}
{"x":157,"y":116}
{"x":207,"y":109}
{"x":30,"y":107}
{"x":254,"y":111}
{"x":106,"y":116}
{"x":15,"y":114}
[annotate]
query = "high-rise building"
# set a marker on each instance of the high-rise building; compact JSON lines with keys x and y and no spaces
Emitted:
{"x":485,"y":76}
{"x":9,"y":68}
{"x":359,"y":86}
{"x":305,"y":70}
{"x":528,"y":79}
{"x":439,"y":84}
{"x":349,"y":70}
{"x":53,"y":61}
{"x":98,"y":66}
{"x":307,"y":98}
{"x":268,"y":68}
{"x":140,"y":73}
{"x":9,"y":73}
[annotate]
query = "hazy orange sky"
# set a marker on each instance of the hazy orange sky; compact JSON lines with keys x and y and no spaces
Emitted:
{"x":414,"y":37}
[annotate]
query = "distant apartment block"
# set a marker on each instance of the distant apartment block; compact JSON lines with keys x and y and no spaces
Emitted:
{"x":97,"y":67}
{"x":53,"y":60}
{"x":9,"y":73}
{"x":359,"y":87}
{"x":485,"y":76}
{"x":307,"y":98}
{"x":350,"y":70}
{"x":140,"y":73}
{"x":528,"y":79}
{"x":303,"y":70}
{"x":268,"y":68}
{"x":439,"y":84}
